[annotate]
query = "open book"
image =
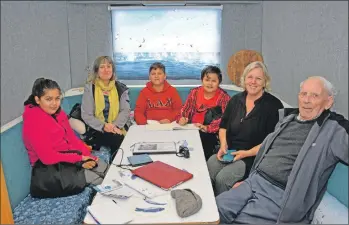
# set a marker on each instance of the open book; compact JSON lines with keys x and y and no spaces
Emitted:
{"x":155,"y":125}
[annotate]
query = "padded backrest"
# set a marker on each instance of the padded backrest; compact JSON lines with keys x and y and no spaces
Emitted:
{"x":338,"y":183}
{"x":133,"y":93}
{"x":70,"y":101}
{"x":15,"y":162}
{"x":182,"y":91}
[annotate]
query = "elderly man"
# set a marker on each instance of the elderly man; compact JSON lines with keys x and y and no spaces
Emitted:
{"x":294,"y":163}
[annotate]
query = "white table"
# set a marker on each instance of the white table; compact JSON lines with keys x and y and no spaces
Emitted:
{"x":196,"y":164}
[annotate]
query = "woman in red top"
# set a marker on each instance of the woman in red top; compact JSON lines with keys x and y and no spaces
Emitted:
{"x":50,"y":141}
{"x":205,"y":106}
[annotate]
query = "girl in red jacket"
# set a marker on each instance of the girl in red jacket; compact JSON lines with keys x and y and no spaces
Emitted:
{"x":54,"y":148}
{"x":205,"y":106}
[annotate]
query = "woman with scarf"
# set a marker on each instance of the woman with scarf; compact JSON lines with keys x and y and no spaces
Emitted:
{"x":105,"y":105}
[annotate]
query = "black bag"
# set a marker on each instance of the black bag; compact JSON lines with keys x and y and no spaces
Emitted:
{"x":90,"y":134}
{"x":213,"y":113}
{"x":75,"y":112}
{"x":57,"y":180}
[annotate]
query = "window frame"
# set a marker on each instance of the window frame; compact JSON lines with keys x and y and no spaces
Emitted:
{"x":135,"y":7}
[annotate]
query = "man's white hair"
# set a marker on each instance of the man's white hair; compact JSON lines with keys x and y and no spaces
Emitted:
{"x":327,"y":85}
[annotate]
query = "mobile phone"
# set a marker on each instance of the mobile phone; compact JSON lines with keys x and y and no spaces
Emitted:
{"x":228,"y":158}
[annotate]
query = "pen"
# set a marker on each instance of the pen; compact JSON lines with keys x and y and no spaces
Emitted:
{"x":114,"y":201}
{"x":94,"y":218}
{"x":152,"y":202}
{"x":150,"y":209}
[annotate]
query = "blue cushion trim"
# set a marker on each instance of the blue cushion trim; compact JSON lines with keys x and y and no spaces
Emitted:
{"x":338,"y":183}
{"x":15,"y":162}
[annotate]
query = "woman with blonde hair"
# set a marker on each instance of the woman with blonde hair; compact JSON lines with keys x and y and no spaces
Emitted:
{"x":105,"y":105}
{"x":249,"y":117}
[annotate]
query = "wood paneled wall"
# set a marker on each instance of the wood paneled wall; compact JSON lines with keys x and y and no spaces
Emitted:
{"x":6,"y":211}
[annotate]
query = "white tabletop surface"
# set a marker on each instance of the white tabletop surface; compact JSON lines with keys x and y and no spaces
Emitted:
{"x":196,"y":164}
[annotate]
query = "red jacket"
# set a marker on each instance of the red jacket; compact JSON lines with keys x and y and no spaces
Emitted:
{"x":44,"y":137}
{"x":152,"y":105}
{"x":189,"y":107}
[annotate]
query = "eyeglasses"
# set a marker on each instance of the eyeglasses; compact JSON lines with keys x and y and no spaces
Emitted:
{"x":312,"y":96}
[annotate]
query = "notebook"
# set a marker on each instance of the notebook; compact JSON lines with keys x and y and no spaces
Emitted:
{"x":138,"y":160}
{"x":154,"y":148}
{"x":162,"y":175}
{"x":109,"y":212}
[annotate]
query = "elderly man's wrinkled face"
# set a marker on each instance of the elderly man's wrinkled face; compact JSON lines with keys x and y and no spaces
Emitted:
{"x":313,"y":99}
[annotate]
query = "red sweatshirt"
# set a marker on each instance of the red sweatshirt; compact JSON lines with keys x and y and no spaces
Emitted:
{"x":152,"y":105}
{"x":44,"y":137}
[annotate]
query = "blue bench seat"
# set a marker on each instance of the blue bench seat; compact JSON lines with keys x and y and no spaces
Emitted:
{"x":17,"y":172}
{"x":104,"y":154}
{"x":64,"y":210}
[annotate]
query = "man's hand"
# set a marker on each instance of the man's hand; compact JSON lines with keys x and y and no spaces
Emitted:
{"x":237,"y":184}
{"x":222,"y":151}
{"x":164,"y":121}
{"x":240,"y":154}
{"x":109,"y":127}
{"x":183,"y":121}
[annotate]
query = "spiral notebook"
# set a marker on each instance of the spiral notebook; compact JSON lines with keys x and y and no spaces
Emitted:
{"x":109,"y":212}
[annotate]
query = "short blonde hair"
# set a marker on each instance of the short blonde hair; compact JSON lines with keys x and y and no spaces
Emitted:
{"x":252,"y":66}
{"x":94,"y":73}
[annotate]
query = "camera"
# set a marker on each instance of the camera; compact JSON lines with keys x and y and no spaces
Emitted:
{"x":183,"y":152}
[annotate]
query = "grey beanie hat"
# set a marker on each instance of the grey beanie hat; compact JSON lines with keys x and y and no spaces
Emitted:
{"x":187,"y":202}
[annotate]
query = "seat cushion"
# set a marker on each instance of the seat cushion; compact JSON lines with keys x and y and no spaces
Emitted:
{"x":330,"y":211}
{"x":338,"y":183}
{"x":65,"y":210}
{"x":103,"y":153}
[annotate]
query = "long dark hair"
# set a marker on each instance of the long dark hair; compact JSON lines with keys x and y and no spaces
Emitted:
{"x":39,"y":87}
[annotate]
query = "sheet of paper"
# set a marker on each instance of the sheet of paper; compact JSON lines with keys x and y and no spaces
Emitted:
{"x":109,"y":212}
{"x":152,"y":122}
{"x":189,"y":126}
{"x":167,"y":126}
